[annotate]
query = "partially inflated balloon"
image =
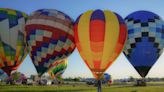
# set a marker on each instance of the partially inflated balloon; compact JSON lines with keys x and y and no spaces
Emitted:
{"x":50,"y":37}
{"x":145,"y":40}
{"x":58,"y":68}
{"x":100,"y":37}
{"x":12,"y":42}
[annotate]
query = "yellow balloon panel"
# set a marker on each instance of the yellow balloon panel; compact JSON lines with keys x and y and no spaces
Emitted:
{"x":111,"y":36}
{"x":83,"y":33}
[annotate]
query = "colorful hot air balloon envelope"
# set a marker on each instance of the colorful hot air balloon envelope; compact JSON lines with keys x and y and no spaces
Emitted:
{"x":58,"y":68}
{"x":107,"y":77}
{"x":12,"y":42}
{"x":100,"y":37}
{"x":50,"y":37}
{"x":145,"y":40}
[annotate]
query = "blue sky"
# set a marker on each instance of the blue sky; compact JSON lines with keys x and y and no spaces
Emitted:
{"x":121,"y":68}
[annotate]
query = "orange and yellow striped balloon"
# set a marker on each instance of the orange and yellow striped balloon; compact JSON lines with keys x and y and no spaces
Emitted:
{"x":100,"y":37}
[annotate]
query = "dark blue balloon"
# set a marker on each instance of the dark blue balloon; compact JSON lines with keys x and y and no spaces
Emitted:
{"x":107,"y":77}
{"x":145,"y":40}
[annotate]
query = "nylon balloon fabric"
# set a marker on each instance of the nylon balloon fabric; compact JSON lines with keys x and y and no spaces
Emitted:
{"x":12,"y":42}
{"x":58,"y":68}
{"x":50,"y":37}
{"x":145,"y":40}
{"x":100,"y":37}
{"x":107,"y":77}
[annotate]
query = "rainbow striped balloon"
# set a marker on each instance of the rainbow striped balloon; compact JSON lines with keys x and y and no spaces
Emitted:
{"x":58,"y":68}
{"x":12,"y":42}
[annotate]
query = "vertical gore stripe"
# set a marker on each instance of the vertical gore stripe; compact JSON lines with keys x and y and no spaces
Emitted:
{"x":83,"y":34}
{"x":78,"y":45}
{"x":97,"y":32}
{"x":111,"y":36}
{"x":121,"y":40}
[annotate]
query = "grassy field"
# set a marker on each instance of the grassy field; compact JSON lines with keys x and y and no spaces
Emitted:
{"x":79,"y":88}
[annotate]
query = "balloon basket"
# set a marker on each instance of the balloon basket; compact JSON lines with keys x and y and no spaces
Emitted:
{"x":140,"y":82}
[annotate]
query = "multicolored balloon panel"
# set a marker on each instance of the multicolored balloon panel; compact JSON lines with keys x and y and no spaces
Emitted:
{"x":50,"y":37}
{"x":145,"y":40}
{"x":58,"y":68}
{"x":100,"y":37}
{"x":12,"y":42}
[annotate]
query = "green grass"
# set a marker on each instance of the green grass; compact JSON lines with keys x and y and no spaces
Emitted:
{"x":135,"y":89}
{"x":79,"y":88}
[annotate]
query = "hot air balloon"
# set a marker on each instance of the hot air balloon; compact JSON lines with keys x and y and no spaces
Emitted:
{"x":145,"y":40}
{"x":50,"y":37}
{"x":58,"y":68}
{"x":100,"y":37}
{"x":107,"y":78}
{"x":12,"y":42}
